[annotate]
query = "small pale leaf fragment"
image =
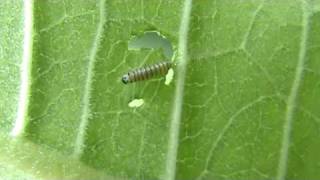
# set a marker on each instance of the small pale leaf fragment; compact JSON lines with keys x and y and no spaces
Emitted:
{"x":169,"y":76}
{"x":136,"y":103}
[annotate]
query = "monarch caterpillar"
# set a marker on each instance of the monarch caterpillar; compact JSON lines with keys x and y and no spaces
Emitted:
{"x":147,"y":72}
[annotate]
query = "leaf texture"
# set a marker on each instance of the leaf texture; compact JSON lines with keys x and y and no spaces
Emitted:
{"x":243,"y":103}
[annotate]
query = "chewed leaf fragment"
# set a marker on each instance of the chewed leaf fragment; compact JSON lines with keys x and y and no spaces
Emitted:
{"x":136,"y":103}
{"x":169,"y":76}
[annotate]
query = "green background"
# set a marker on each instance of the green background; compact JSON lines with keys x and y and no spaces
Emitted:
{"x":252,"y":75}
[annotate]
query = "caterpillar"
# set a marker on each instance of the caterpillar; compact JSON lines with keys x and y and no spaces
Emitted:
{"x":147,"y":72}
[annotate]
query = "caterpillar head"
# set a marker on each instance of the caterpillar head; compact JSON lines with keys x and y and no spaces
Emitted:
{"x":125,"y":79}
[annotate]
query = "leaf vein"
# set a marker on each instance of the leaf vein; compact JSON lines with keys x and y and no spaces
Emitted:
{"x":247,"y":34}
{"x":25,"y":76}
{"x":225,"y":129}
{"x":85,"y":112}
{"x":178,"y":99}
{"x":292,"y":98}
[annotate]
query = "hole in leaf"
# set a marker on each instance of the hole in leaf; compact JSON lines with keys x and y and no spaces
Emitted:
{"x":152,"y":39}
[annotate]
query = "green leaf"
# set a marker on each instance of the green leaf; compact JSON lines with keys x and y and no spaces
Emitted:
{"x":243,"y":103}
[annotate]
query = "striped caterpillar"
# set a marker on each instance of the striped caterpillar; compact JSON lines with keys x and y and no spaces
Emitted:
{"x":147,"y":72}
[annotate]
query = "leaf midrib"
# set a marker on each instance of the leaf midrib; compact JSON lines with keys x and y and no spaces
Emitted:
{"x":85,"y":111}
{"x":178,"y":96}
{"x":293,"y":96}
{"x":26,"y":63}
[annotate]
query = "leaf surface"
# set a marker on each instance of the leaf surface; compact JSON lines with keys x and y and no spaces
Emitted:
{"x":243,"y":103}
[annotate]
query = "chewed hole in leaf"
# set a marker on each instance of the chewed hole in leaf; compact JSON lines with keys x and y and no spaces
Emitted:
{"x":153,"y":40}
